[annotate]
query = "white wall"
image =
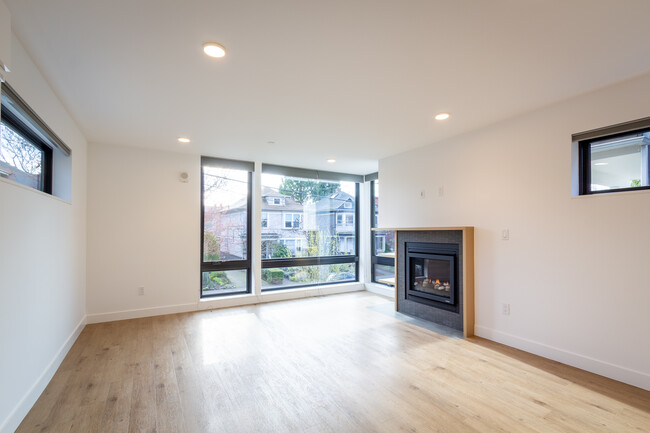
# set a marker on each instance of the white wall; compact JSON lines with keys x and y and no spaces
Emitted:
{"x":144,"y":230}
{"x":42,"y":261}
{"x":574,"y":269}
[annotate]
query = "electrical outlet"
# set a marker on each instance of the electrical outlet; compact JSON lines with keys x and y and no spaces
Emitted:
{"x":505,"y":234}
{"x":505,"y":309}
{"x":423,"y":194}
{"x":140,"y":291}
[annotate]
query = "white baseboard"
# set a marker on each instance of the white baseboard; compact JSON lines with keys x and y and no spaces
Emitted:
{"x":603,"y":368}
{"x":227,"y":302}
{"x":381,"y":289}
{"x":141,"y":312}
{"x":11,"y":423}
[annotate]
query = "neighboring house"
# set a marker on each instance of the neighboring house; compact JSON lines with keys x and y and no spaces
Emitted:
{"x":337,"y":212}
{"x":282,"y":222}
{"x":287,"y":222}
{"x":384,"y":241}
{"x":229,"y":228}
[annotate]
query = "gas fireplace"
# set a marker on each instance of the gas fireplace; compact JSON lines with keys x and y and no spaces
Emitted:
{"x":434,"y":275}
{"x":431,"y":273}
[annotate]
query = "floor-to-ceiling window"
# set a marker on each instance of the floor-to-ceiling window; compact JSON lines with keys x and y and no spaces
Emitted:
{"x":309,"y":227}
{"x":226,"y":192}
{"x":382,"y":243}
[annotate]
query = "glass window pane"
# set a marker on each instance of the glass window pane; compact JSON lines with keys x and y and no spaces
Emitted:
{"x":375,"y":203}
{"x":620,"y":163}
{"x":282,"y":278}
{"x":20,"y":160}
{"x":225,"y":200}
{"x":384,"y":243}
{"x":223,"y":282}
{"x":311,"y":218}
{"x":384,"y":274}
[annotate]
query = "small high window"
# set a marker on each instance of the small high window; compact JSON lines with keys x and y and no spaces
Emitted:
{"x":27,"y":146}
{"x":615,"y":158}
{"x":24,"y":160}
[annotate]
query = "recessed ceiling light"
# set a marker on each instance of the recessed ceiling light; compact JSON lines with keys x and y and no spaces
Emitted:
{"x":442,"y":116}
{"x":601,"y":163}
{"x":331,"y":160}
{"x":183,"y":140}
{"x":213,"y":49}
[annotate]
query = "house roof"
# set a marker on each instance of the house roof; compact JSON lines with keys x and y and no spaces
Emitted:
{"x":335,"y":201}
{"x":288,"y":205}
{"x":332,"y":202}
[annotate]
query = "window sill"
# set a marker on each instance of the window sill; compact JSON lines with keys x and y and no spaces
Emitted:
{"x":381,"y":289}
{"x":611,"y":194}
{"x":278,"y":295}
{"x":28,"y":188}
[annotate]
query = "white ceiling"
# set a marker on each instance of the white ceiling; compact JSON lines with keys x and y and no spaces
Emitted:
{"x":356,"y":80}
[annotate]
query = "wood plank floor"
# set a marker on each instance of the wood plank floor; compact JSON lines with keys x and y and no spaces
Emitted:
{"x":328,"y":364}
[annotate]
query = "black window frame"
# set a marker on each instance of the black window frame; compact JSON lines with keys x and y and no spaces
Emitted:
{"x":24,"y":131}
{"x":319,"y":260}
{"x":228,"y":265}
{"x":20,"y":117}
{"x":374,"y":258}
{"x":586,"y":139}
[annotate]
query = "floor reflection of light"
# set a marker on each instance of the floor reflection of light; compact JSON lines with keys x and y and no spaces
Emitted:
{"x":225,"y":337}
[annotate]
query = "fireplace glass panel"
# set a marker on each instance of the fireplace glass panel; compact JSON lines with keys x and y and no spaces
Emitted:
{"x":431,"y":276}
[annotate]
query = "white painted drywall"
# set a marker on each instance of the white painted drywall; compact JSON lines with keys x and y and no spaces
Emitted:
{"x":575,"y":268}
{"x":42,"y":261}
{"x":143,"y":229}
{"x":5,"y":38}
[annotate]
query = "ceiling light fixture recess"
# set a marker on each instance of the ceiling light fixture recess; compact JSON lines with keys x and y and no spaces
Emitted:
{"x":214,"y":49}
{"x":442,"y":116}
{"x":183,"y":140}
{"x":331,"y":160}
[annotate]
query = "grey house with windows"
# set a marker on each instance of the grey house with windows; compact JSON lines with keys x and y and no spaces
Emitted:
{"x":288,"y":225}
{"x":337,"y":212}
{"x":282,"y":224}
